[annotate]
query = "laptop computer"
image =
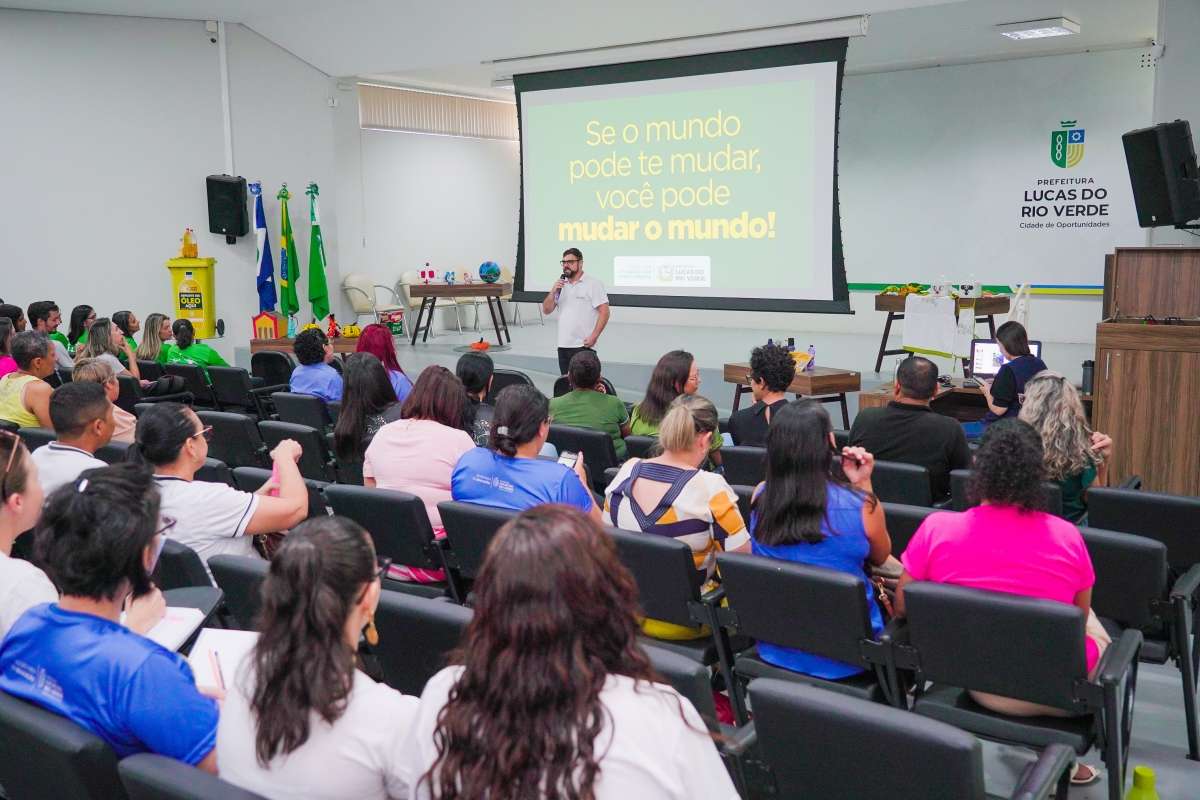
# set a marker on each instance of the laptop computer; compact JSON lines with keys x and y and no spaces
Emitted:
{"x":986,"y":358}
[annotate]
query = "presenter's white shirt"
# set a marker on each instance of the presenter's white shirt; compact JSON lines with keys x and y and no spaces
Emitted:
{"x":22,"y":586}
{"x":358,"y":756}
{"x":578,"y":310}
{"x":646,"y":748}
{"x":210,"y":518}
{"x":59,"y":463}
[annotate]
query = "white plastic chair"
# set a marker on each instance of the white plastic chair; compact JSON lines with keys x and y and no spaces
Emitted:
{"x":506,"y":276}
{"x":361,"y":294}
{"x":410,"y":314}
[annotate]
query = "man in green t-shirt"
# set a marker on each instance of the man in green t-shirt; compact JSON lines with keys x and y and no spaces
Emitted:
{"x":588,"y":406}
{"x":44,"y":316}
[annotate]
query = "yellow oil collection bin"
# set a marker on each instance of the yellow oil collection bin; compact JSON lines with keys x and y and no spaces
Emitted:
{"x":192,"y":286}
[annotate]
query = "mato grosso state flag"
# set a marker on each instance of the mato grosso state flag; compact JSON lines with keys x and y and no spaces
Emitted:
{"x":318,"y":291}
{"x":289,"y":262}
{"x":266,"y":265}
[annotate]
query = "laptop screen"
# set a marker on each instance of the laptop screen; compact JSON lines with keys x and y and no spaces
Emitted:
{"x":986,"y":358}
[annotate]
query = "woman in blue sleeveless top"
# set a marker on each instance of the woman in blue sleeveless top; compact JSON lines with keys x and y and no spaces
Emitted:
{"x":817,"y":508}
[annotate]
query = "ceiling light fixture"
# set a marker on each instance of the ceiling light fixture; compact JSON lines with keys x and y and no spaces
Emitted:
{"x":1038,"y":28}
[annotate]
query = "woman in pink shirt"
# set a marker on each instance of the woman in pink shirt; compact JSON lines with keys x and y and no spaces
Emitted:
{"x":417,"y":454}
{"x":7,"y":363}
{"x":1008,"y":544}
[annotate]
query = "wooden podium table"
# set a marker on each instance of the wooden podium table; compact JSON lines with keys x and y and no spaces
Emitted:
{"x":490,"y":292}
{"x":986,"y":309}
{"x":824,"y":384}
{"x":342,"y":344}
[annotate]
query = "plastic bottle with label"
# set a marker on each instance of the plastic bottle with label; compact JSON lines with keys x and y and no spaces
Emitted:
{"x":1143,"y":785}
{"x":812,"y":359}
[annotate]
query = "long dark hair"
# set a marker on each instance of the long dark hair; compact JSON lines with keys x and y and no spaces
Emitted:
{"x":520,"y":411}
{"x":367,"y":392}
{"x":800,"y":466}
{"x":1009,"y":467}
{"x":6,"y":331}
{"x":666,"y":383}
{"x":79,"y":315}
{"x":184,"y":333}
{"x":162,"y":431}
{"x":302,"y":660}
{"x":1014,"y":338}
{"x":555,"y":614}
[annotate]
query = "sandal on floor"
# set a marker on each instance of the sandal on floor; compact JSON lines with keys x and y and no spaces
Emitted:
{"x":1084,"y":774}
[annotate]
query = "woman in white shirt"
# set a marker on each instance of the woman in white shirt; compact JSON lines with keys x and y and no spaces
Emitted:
{"x":22,"y":585}
{"x":299,"y":719}
{"x":551,"y":694}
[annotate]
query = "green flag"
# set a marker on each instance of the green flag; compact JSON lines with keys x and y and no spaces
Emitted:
{"x":318,"y":291}
{"x":289,"y":262}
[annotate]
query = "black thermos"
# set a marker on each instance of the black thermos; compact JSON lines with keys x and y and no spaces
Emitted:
{"x":1089,"y":372}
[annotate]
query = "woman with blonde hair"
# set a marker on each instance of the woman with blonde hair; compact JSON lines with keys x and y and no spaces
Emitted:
{"x":1076,"y":456}
{"x":156,"y":339}
{"x":103,"y":345}
{"x":93,"y":370}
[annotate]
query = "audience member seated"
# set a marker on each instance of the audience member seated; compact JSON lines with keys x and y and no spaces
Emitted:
{"x":24,"y":394}
{"x":83,"y":422}
{"x":14,"y":315}
{"x":22,"y":585}
{"x":82,"y":318}
{"x":44,"y":316}
{"x":772,"y":370}
{"x":126,"y":324}
{"x":93,"y":370}
{"x":99,"y":540}
{"x":1003,"y":393}
{"x":7,"y":363}
{"x":376,"y":339}
{"x":299,"y":720}
{"x":669,"y":495}
{"x":588,"y":405}
{"x":909,"y":431}
{"x":1076,"y":456}
{"x":314,"y":375}
{"x":509,"y":473}
{"x":418,"y":453}
{"x":104,"y":343}
{"x":156,"y":339}
{"x":213,"y":518}
{"x":675,"y":373}
{"x":476,"y":371}
{"x":604,"y":724}
{"x":1008,"y":544}
{"x":186,"y":350}
{"x":816,"y":507}
{"x":368,"y":403}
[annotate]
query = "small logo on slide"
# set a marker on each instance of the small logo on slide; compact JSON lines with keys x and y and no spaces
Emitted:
{"x":1066,"y":145}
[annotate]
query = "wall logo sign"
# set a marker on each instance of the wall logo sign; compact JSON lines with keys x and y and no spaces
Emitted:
{"x":1066,"y":145}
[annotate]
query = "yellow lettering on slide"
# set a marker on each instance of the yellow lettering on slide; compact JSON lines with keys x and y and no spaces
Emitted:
{"x":682,"y":130}
{"x":608,"y":230}
{"x":726,"y":159}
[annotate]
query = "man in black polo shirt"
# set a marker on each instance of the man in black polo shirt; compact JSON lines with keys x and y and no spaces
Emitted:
{"x":908,"y":431}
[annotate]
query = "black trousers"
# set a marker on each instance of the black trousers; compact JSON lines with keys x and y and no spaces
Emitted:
{"x":564,"y":357}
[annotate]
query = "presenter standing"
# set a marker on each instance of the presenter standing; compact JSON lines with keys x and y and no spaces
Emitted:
{"x":583,"y":303}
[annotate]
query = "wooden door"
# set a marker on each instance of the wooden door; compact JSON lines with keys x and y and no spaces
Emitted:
{"x":1145,"y":402}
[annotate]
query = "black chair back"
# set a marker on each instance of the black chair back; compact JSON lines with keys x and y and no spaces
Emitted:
{"x":235,"y":439}
{"x":129,"y":393}
{"x":415,"y":634}
{"x":396,"y":521}
{"x":503,"y":378}
{"x":113,"y":453}
{"x":302,"y":409}
{"x":61,"y":377}
{"x":46,"y":755}
{"x":35,"y":437}
{"x":1131,"y":575}
{"x":240,"y":578}
{"x":640,"y":446}
{"x":960,"y":478}
{"x":665,"y":572}
{"x":965,"y":638}
{"x":250,"y":479}
{"x":895,"y":482}
{"x":194,"y":381}
{"x":902,"y":523}
{"x":745,"y":496}
{"x":841,"y":438}
{"x":150,"y":370}
{"x":272,"y":366}
{"x":687,"y":676}
{"x":1167,"y":518}
{"x":9,"y":425}
{"x":821,"y":611}
{"x":215,"y":471}
{"x":179,"y":566}
{"x":232,"y":388}
{"x":596,"y":446}
{"x":744,"y":465}
{"x":469,"y":529}
{"x":151,"y":777}
{"x":562,"y":386}
{"x":316,"y":462}
{"x":814,"y":740}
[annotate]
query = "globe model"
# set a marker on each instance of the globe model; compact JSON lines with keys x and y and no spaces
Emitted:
{"x":489,"y":271}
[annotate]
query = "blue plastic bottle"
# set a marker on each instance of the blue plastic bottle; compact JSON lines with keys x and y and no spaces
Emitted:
{"x":812,"y":359}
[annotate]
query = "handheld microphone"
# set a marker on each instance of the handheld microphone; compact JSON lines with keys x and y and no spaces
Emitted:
{"x":565,"y":274}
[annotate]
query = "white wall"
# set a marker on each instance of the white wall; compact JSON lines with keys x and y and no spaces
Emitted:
{"x":110,"y":126}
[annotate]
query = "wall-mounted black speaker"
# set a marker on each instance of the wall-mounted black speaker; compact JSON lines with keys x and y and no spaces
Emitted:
{"x":227,"y":212}
{"x":1163,"y":173}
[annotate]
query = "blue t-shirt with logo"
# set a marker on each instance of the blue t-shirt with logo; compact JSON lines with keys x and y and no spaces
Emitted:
{"x":134,"y":694}
{"x":488,"y":478}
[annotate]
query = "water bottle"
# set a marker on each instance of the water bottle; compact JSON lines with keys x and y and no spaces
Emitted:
{"x":1143,"y":785}
{"x":791,"y":345}
{"x":812,"y":359}
{"x":1089,"y":373}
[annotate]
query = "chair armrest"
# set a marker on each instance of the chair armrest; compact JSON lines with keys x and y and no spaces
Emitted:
{"x":895,"y":632}
{"x":267,"y":390}
{"x":1040,"y":778}
{"x":1132,"y":482}
{"x":737,"y":743}
{"x":714,"y":597}
{"x":1186,"y":587}
{"x":946,"y":504}
{"x":1119,"y":658}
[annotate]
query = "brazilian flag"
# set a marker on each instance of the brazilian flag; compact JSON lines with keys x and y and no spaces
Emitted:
{"x":318,"y":290}
{"x":289,"y":262}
